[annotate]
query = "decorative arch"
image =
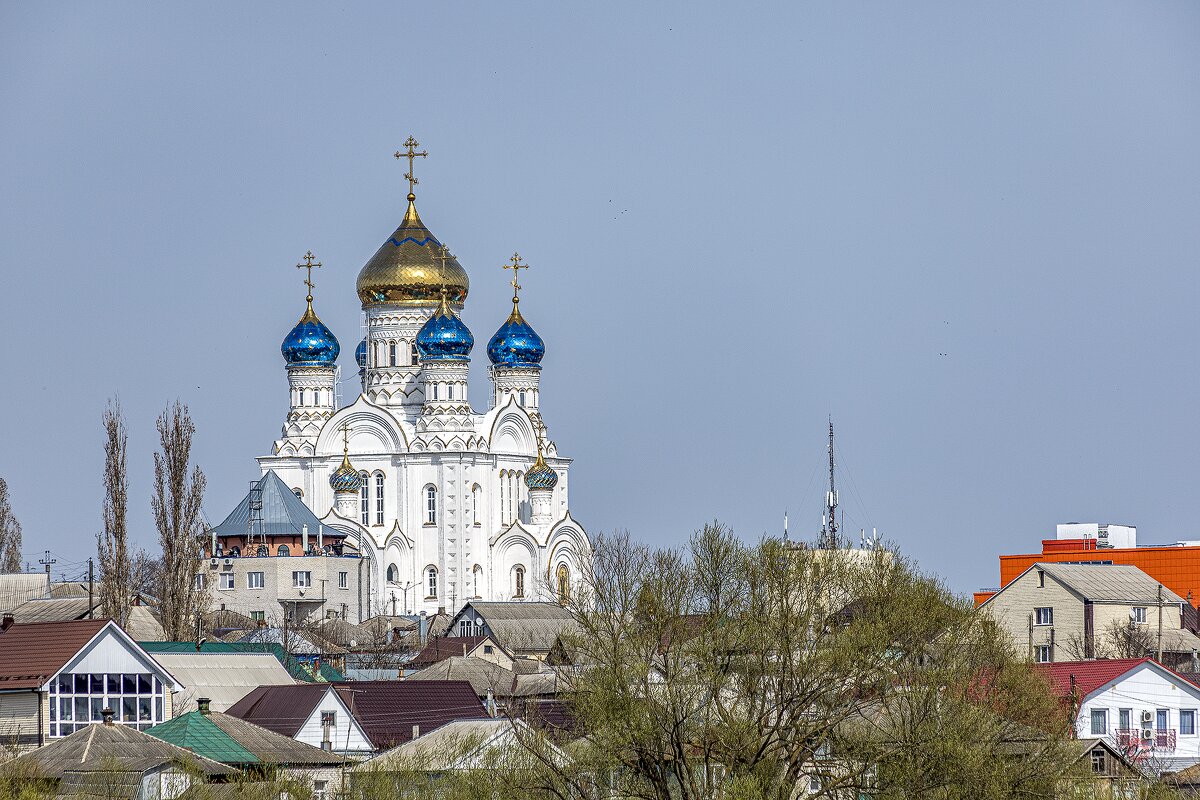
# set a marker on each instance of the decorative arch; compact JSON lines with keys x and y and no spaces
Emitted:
{"x":512,"y":431}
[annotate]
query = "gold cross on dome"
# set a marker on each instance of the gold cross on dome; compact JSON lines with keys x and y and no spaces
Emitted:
{"x":411,"y":153}
{"x":443,"y":256}
{"x":309,"y":262}
{"x":516,"y":266}
{"x":345,"y":438}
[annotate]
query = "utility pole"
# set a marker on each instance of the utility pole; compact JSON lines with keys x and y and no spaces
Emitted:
{"x":46,"y":562}
{"x":91,"y":584}
{"x":1160,"y":607}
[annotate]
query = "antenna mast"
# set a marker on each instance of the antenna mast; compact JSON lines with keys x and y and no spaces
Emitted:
{"x":829,"y":531}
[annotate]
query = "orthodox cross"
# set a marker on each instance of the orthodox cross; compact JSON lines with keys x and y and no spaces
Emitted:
{"x":443,"y":256}
{"x":345,"y":438}
{"x":516,"y":266}
{"x":309,"y":262}
{"x":411,"y":145}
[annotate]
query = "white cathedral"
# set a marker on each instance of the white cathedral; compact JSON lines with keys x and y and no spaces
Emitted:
{"x":437,"y":497}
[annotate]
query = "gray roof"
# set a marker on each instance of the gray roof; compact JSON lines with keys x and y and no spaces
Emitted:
{"x":18,"y":587}
{"x":446,"y":748}
{"x":521,"y":627}
{"x":304,"y":644}
{"x":1109,"y":583}
{"x":116,"y":748}
{"x":482,"y":675}
{"x":224,"y":678}
{"x":282,"y":512}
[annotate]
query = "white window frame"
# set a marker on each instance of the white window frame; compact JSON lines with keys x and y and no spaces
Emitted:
{"x":1043,"y":616}
{"x":1137,"y":615}
{"x":1191,"y":715}
{"x":301,"y":579}
{"x":431,"y":505}
{"x":343,"y":580}
{"x":364,"y":499}
{"x":256,"y":580}
{"x":431,"y":582}
{"x":1043,"y":654}
{"x":1100,"y":714}
{"x":379,"y":485}
{"x":226,"y":581}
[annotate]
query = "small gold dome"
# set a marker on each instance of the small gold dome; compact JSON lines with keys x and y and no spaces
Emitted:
{"x":407,"y":269}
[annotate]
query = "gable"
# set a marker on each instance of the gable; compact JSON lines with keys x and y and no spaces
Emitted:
{"x":1146,"y":681}
{"x":112,"y":652}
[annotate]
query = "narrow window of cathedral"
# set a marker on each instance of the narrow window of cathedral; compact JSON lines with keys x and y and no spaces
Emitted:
{"x":476,"y":574}
{"x":521,"y":399}
{"x":364,"y":499}
{"x":416,"y":356}
{"x":519,"y":582}
{"x":301,"y":397}
{"x":564,"y":584}
{"x":475,"y":504}
{"x":435,"y":391}
{"x":432,"y":588}
{"x":392,"y":354}
{"x":378,"y":498}
{"x":393,"y":574}
{"x":430,"y":505}
{"x":284,"y":550}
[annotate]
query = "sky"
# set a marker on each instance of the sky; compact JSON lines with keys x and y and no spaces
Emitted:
{"x":966,"y":232}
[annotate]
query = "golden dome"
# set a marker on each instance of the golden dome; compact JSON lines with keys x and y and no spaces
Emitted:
{"x":407,"y":269}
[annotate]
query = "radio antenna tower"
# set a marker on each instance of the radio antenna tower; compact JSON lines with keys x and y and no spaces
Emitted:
{"x":829,"y":527}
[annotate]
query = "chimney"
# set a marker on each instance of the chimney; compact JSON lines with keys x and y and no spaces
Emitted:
{"x":7,"y":622}
{"x":320,"y":537}
{"x":490,"y":704}
{"x":304,"y":540}
{"x":202,"y":705}
{"x":1195,"y":661}
{"x":107,"y":713}
{"x":416,"y":731}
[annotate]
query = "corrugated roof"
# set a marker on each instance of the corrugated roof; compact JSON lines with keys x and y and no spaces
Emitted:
{"x":224,"y":678}
{"x":120,"y":748}
{"x":442,"y":749}
{"x":307,"y":643}
{"x":521,"y":627}
{"x":442,"y":647}
{"x":1091,"y":675}
{"x":282,"y":512}
{"x":19,"y":587}
{"x":282,"y":709}
{"x":482,"y":675}
{"x":270,"y":747}
{"x":387,"y":710}
{"x":195,"y":732}
{"x":56,"y":610}
{"x":30,"y":654}
{"x":1112,"y":583}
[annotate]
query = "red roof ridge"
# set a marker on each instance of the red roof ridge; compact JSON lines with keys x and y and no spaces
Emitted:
{"x":1092,"y":674}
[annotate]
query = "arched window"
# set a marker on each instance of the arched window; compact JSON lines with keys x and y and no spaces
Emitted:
{"x":435,"y":397}
{"x":476,"y":575}
{"x":521,"y":398}
{"x":430,"y":505}
{"x":416,"y":355}
{"x":301,"y":397}
{"x":393,"y":574}
{"x":299,"y":493}
{"x":392,"y":354}
{"x":475,"y":504}
{"x":519,"y":582}
{"x":381,"y":354}
{"x":284,"y":550}
{"x":364,"y":499}
{"x":431,"y":586}
{"x":378,"y":498}
{"x":564,"y":584}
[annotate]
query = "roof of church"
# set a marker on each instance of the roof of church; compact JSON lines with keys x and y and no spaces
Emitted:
{"x":282,"y":512}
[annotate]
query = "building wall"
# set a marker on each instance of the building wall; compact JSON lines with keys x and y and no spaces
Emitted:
{"x":1012,"y":607}
{"x":1178,"y":568}
{"x":19,"y":712}
{"x":346,"y":736}
{"x":279,"y":594}
{"x":1146,"y":689}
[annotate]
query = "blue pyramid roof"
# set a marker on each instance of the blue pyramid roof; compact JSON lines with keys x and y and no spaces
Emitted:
{"x":283,"y":514}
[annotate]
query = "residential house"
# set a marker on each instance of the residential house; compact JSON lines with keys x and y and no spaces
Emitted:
{"x":359,"y":717}
{"x":500,"y":688}
{"x":142,"y":622}
{"x":223,"y":677}
{"x":1145,"y":711}
{"x":307,"y":671}
{"x":442,"y":647}
{"x":119,"y":761}
{"x":56,"y":677}
{"x":523,"y":628}
{"x":257,"y":751}
{"x":1066,"y":612}
{"x":19,"y":587}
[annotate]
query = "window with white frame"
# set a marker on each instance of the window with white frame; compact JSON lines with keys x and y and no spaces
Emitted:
{"x":364,"y":499}
{"x":430,"y":505}
{"x":255,"y":580}
{"x":343,"y":580}
{"x":258,"y":616}
{"x":320,"y":790}
{"x":301,"y":579}
{"x":1099,"y":721}
{"x":392,"y":354}
{"x":200,"y":581}
{"x":79,"y":698}
{"x":1044,"y":616}
{"x":1043,"y":654}
{"x":1137,"y":615}
{"x":431,"y":586}
{"x":1187,"y":722}
{"x":226,"y":580}
{"x":378,"y":498}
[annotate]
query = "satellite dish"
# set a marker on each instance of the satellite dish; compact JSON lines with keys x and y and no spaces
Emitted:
{"x":353,"y":643}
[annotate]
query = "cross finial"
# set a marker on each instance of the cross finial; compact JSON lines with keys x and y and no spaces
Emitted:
{"x":516,"y":266}
{"x":346,"y":439}
{"x":310,"y":261}
{"x":411,"y":153}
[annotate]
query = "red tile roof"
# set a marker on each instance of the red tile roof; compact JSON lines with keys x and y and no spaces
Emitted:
{"x":1091,"y":675}
{"x":31,"y":653}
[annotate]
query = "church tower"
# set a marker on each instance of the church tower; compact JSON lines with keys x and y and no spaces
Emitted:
{"x":516,"y":353}
{"x":310,"y":351}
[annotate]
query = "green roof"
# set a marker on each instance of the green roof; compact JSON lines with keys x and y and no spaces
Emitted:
{"x":196,"y":732}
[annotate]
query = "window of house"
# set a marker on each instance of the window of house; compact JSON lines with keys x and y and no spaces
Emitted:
{"x":1123,"y":719}
{"x":301,"y":580}
{"x":226,"y":580}
{"x":1041,"y":579}
{"x":1138,"y":615}
{"x":379,"y":498}
{"x":1043,"y":654}
{"x":258,"y":616}
{"x":431,"y":577}
{"x":1160,"y":719}
{"x":519,"y":582}
{"x":320,"y":790}
{"x":364,"y":499}
{"x":328,"y":719}
{"x":430,"y":505}
{"x":255,"y":580}
{"x":343,"y":580}
{"x":284,"y":550}
{"x":1099,"y":761}
{"x":77,"y":699}
{"x":1187,"y":722}
{"x":1045,"y":616}
{"x":1099,"y":721}
{"x":488,"y":649}
{"x":200,"y":581}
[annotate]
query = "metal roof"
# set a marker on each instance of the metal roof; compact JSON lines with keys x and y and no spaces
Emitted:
{"x":18,"y":587}
{"x":196,"y":732}
{"x":30,"y":654}
{"x":1112,"y":583}
{"x":224,"y":678}
{"x":448,"y":747}
{"x":283,"y":514}
{"x":521,"y":627}
{"x":270,"y":747}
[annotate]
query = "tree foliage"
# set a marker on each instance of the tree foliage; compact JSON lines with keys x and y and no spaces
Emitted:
{"x":10,"y":534}
{"x":112,"y":544}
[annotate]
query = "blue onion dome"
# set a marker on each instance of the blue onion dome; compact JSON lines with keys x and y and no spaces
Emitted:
{"x":516,"y":344}
{"x":310,"y":343}
{"x":407,"y":270}
{"x":541,"y":476}
{"x":360,"y":353}
{"x":444,"y":337}
{"x":345,"y":478}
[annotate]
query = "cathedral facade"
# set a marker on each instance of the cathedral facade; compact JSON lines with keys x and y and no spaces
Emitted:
{"x":443,"y":503}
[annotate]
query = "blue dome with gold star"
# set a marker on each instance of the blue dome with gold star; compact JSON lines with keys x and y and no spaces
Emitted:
{"x":310,"y":343}
{"x":444,"y":337}
{"x":516,"y":344}
{"x":360,"y":353}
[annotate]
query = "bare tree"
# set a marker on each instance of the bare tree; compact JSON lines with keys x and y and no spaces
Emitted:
{"x":112,"y":544}
{"x":10,"y":534}
{"x":143,"y":573}
{"x":176,"y":506}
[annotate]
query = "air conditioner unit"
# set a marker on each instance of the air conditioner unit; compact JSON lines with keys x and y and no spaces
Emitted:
{"x":214,"y":562}
{"x":1147,"y":733}
{"x":1147,"y":717}
{"x":229,"y":562}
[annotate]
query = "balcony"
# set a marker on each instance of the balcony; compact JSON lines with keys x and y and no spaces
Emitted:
{"x":1130,"y":740}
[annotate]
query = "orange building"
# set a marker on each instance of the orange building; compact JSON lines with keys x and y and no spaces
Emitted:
{"x":1176,"y":567}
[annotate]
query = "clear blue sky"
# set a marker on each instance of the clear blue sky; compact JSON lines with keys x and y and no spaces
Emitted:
{"x":970,"y":232}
